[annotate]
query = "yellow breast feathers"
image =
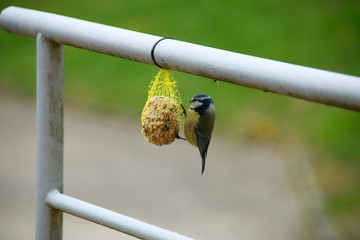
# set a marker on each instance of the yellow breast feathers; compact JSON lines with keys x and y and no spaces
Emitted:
{"x":192,"y":119}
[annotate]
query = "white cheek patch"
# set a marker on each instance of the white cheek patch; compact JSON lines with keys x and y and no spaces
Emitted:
{"x":195,"y":104}
{"x":210,"y":109}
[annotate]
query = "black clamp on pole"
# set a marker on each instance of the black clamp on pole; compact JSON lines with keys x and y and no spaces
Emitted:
{"x":153,"y":50}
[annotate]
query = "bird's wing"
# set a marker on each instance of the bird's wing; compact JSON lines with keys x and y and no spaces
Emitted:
{"x":203,"y":144}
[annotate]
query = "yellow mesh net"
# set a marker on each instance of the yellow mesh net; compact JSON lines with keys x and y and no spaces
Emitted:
{"x":160,"y":118}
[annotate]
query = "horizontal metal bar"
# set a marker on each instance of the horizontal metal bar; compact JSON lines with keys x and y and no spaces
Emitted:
{"x":79,"y":33}
{"x":268,"y":75}
{"x":109,"y":218}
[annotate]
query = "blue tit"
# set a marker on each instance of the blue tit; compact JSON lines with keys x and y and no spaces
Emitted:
{"x":199,"y":124}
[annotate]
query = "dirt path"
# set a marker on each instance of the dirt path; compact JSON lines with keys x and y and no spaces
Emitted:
{"x":244,"y":193}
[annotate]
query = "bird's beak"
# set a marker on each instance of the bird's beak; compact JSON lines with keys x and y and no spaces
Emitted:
{"x":191,"y":105}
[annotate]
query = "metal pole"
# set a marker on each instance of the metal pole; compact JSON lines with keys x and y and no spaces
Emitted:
{"x":49,"y":135}
{"x":110,"y":219}
{"x":268,"y":75}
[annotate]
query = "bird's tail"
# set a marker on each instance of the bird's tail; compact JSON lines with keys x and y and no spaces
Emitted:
{"x":203,"y":157}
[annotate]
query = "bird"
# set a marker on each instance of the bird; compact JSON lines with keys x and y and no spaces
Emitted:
{"x":199,"y":124}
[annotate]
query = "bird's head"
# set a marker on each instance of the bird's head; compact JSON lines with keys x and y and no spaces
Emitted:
{"x":202,"y":104}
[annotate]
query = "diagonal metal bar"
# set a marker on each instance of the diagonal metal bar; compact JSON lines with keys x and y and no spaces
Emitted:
{"x":109,"y":218}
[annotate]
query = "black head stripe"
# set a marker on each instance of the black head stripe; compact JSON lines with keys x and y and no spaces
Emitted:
{"x":205,"y":104}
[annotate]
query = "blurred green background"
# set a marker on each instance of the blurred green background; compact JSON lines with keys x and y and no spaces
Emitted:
{"x":315,"y":33}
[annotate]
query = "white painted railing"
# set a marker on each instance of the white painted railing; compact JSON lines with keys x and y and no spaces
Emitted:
{"x":53,"y":31}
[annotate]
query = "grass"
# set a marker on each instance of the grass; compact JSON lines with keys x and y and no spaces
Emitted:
{"x":320,"y":34}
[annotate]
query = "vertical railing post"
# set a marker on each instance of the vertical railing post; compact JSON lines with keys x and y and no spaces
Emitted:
{"x":49,"y":135}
